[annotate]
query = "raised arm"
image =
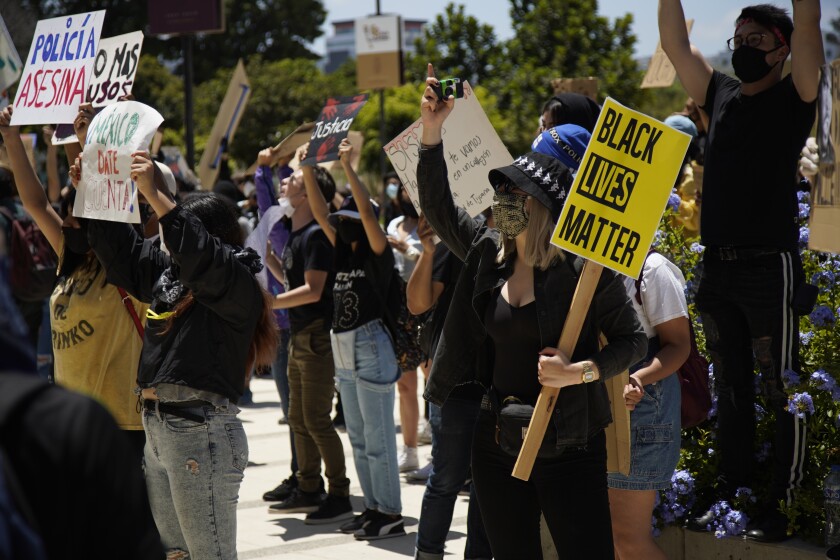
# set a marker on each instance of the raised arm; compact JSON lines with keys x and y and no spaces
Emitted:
{"x":29,"y":188}
{"x":376,"y":237}
{"x":807,"y":54}
{"x":422,"y":292}
{"x":693,"y":70}
{"x":266,"y":197}
{"x":53,"y":183}
{"x":319,"y":206}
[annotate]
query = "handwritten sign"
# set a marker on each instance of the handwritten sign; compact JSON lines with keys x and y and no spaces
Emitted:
{"x":824,"y":222}
{"x":224,"y":128}
{"x":621,"y":188}
{"x":661,"y":73}
{"x":58,"y":69}
{"x":114,"y":68}
{"x":332,"y":127}
{"x":472,"y":149}
{"x":584,"y":86}
{"x":10,"y":63}
{"x":106,"y":191}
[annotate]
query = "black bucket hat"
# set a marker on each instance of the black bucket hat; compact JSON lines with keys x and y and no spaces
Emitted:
{"x":543,"y":177}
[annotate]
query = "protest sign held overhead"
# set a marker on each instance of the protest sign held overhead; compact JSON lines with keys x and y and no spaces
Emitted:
{"x":332,"y":127}
{"x":472,"y":149}
{"x":10,"y":63}
{"x":619,"y":193}
{"x":660,"y":72}
{"x":106,"y":191}
{"x":114,"y":68}
{"x":824,"y":223}
{"x":58,"y":69}
{"x":224,"y":127}
{"x":583,"y":86}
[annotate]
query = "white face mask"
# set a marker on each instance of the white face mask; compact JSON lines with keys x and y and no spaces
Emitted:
{"x":162,"y":244}
{"x":286,"y":207}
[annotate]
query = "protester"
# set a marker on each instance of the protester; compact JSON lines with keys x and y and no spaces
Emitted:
{"x":390,"y":200}
{"x":402,"y":236}
{"x":54,"y":442}
{"x":365,"y":363}
{"x":569,"y":108}
{"x":307,"y":265}
{"x":751,"y":266}
{"x":277,"y":238}
{"x":507,"y":311}
{"x":430,"y":289}
{"x":688,"y":214}
{"x":96,"y":342}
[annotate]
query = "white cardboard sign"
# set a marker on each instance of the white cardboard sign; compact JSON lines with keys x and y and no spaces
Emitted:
{"x":10,"y":64}
{"x":114,"y":68}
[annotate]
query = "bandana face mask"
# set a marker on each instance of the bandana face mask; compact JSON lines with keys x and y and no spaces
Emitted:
{"x":509,"y":213}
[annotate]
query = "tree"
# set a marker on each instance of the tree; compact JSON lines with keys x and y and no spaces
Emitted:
{"x":458,"y":45}
{"x":157,"y":87}
{"x":562,"y":39}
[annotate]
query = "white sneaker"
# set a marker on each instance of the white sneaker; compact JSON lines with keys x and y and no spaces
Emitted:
{"x":425,"y":437}
{"x":408,"y":459}
{"x":420,"y":475}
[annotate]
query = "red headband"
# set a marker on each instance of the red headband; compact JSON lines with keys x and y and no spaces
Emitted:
{"x":774,"y":29}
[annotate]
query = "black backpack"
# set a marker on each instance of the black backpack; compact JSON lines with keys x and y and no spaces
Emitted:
{"x":34,"y":262}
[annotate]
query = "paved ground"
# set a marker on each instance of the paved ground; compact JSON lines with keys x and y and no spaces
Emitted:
{"x":263,"y":535}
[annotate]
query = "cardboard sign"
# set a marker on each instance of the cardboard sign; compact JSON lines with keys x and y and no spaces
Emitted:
{"x":661,"y":73}
{"x":106,"y":191}
{"x":824,"y":223}
{"x":583,"y":86}
{"x":10,"y":63}
{"x":332,"y":127}
{"x":619,"y":193}
{"x":114,"y":68}
{"x":357,"y":140}
{"x":224,"y":128}
{"x":472,"y":148}
{"x":58,"y":69}
{"x":378,"y":52}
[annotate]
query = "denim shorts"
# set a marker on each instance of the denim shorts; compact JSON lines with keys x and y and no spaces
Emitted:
{"x":654,"y":438}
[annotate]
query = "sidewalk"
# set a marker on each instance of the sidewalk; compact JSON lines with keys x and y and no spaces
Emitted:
{"x":263,"y":535}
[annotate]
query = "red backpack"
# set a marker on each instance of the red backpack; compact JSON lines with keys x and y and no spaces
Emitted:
{"x":694,"y":376}
{"x":33,"y":260}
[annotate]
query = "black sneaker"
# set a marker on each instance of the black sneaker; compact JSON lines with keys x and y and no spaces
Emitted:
{"x":381,"y":526}
{"x":298,"y":502}
{"x":357,"y":522}
{"x":334,"y":508}
{"x":283,"y":491}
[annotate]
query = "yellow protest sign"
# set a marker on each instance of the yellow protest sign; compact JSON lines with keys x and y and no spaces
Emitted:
{"x":621,"y":188}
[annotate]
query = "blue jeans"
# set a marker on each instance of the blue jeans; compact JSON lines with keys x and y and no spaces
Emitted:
{"x":453,"y":426}
{"x":366,"y":370}
{"x":280,"y":372}
{"x":193,"y":471}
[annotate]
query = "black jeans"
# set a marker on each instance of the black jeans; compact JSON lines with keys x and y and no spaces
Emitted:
{"x":570,"y":490}
{"x":745,"y":305}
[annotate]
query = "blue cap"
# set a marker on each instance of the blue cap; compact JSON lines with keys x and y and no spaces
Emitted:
{"x":683,"y":124}
{"x":566,"y":143}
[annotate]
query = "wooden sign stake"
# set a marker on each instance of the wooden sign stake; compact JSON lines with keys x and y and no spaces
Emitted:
{"x":547,"y":400}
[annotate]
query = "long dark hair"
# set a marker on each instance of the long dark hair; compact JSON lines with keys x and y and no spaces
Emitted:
{"x":220,"y":218}
{"x":72,"y":262}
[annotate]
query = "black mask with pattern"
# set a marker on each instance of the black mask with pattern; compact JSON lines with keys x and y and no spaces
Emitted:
{"x":509,"y":213}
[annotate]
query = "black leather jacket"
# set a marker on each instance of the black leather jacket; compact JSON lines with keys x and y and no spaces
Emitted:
{"x":207,"y":346}
{"x":465,"y":352}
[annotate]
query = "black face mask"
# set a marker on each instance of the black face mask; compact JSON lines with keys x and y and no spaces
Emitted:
{"x":408,"y":209}
{"x":750,"y":63}
{"x":349,"y":231}
{"x":75,"y":240}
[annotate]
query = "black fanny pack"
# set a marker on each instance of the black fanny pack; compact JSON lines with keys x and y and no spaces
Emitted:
{"x":512,"y":420}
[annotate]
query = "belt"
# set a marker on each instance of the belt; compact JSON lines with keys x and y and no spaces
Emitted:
{"x":179,"y":409}
{"x":741,"y":253}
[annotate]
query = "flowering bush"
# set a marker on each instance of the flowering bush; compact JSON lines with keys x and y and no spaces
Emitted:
{"x":813,"y":395}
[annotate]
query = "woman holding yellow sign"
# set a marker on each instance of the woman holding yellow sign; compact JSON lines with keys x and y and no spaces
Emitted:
{"x":506,"y":315}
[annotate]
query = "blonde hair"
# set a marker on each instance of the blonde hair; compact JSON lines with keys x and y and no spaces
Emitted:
{"x":539,"y":252}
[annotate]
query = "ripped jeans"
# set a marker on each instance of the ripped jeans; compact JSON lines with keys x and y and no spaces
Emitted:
{"x":366,"y":370}
{"x":193,"y":471}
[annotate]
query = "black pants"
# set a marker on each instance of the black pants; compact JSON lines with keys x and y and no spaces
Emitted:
{"x":570,"y":490}
{"x":745,"y":305}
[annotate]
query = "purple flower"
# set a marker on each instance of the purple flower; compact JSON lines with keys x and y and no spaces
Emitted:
{"x":800,"y":404}
{"x":804,"y":210}
{"x":713,"y":410}
{"x":823,"y":278}
{"x":696,"y":248}
{"x":760,"y":413}
{"x":835,"y":394}
{"x":822,"y":316}
{"x":823,"y":380}
{"x":674,"y":201}
{"x":805,"y":338}
{"x":803,"y":236}
{"x":735,"y":522}
{"x":803,"y":196}
{"x":790,"y":378}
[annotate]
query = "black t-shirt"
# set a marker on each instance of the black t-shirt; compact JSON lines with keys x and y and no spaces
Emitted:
{"x":749,"y":183}
{"x":515,"y":333}
{"x":445,"y":269}
{"x":308,"y":249}
{"x":357,"y":298}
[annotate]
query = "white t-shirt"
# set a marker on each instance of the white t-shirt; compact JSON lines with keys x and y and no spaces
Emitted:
{"x":662,"y":292}
{"x":405,"y":262}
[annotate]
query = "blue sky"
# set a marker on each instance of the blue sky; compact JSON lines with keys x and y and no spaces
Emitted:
{"x":712,"y":26}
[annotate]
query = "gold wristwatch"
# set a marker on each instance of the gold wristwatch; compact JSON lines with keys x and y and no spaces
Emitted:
{"x":588,"y":374}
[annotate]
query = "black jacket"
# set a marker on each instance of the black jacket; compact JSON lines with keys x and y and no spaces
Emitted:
{"x":465,"y":352}
{"x":207,"y":346}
